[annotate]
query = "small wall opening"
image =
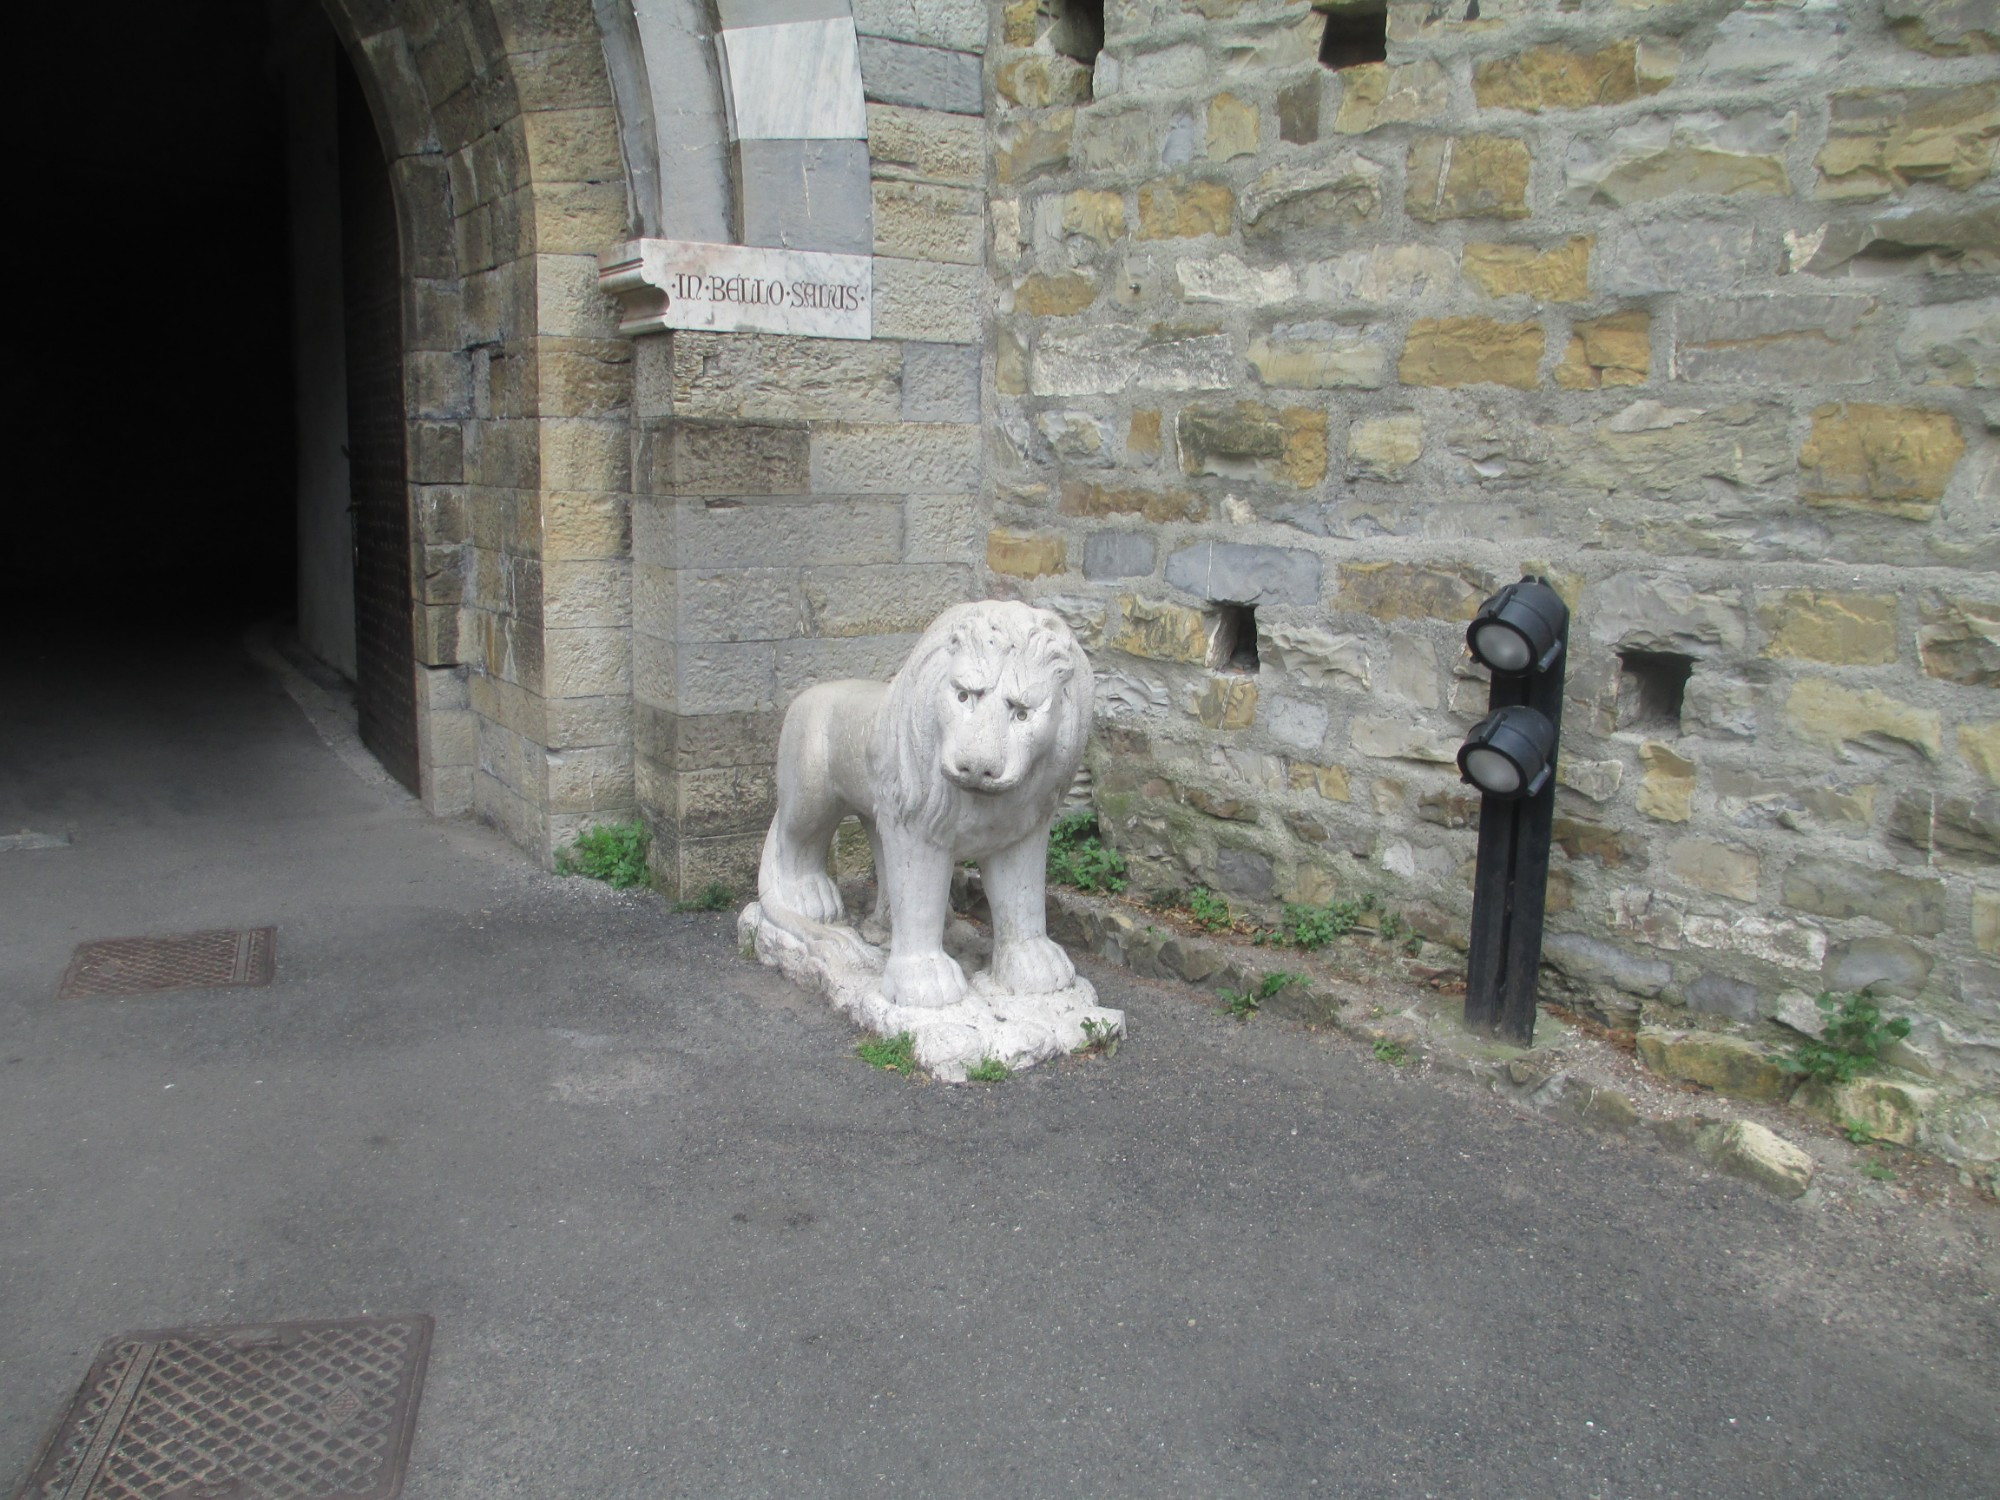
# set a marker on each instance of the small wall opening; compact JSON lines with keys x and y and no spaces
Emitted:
{"x":1232,"y":639}
{"x":1355,"y":34}
{"x":1077,"y":28}
{"x":1652,"y":685}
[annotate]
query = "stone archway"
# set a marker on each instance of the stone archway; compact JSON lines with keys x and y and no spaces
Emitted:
{"x":503,"y":146}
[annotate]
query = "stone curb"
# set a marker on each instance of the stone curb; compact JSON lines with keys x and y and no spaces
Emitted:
{"x":1426,"y":1033}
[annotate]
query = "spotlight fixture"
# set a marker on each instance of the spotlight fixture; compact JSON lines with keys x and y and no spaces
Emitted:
{"x":1520,"y":635}
{"x":1510,"y":753}
{"x":1520,"y":629}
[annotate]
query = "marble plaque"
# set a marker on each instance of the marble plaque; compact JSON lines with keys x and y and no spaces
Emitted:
{"x":742,"y":289}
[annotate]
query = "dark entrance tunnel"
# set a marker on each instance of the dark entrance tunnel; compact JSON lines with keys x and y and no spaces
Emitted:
{"x":152,"y":384}
{"x":206,"y":387}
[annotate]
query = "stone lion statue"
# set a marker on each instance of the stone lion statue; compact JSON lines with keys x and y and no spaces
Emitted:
{"x":964,"y":755}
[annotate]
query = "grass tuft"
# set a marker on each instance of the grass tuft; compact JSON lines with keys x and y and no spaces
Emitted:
{"x":614,"y":853}
{"x":897,"y":1053}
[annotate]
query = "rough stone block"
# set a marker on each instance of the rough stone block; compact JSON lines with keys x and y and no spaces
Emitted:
{"x":1098,"y":215}
{"x":1081,"y":498}
{"x":1809,"y":339}
{"x":1467,"y":177}
{"x":1384,"y":447}
{"x":1225,"y":703}
{"x":940,"y":382}
{"x":1382,"y":738}
{"x":1675,"y":252}
{"x":730,"y":458}
{"x":928,"y":221}
{"x":1825,"y":713}
{"x":1233,"y":127}
{"x":895,"y":72}
{"x":1348,"y":359}
{"x":1720,"y":869}
{"x":777,"y":532}
{"x":960,"y":24}
{"x":771,"y":378}
{"x":1174,"y":208}
{"x":1375,"y":94}
{"x":1226,"y":279}
{"x":910,"y":458}
{"x":1036,"y":80}
{"x":1719,"y":995}
{"x":1655,"y":449}
{"x":1160,"y":631}
{"x":1507,"y":270}
{"x":926,"y":146}
{"x":1658,"y":612}
{"x":1706,"y":152}
{"x":927,"y":300}
{"x":1109,"y":359}
{"x":1561,"y":78}
{"x":1285,"y":200}
{"x":1404,"y":591}
{"x":1058,"y":295}
{"x":1615,"y":350}
{"x":1839,"y":889}
{"x":1119,"y":554}
{"x":1954,"y":343}
{"x":1745,"y":1149}
{"x":1236,"y":573}
{"x":1471,"y":351}
{"x":1729,"y":1065}
{"x":1979,"y":747}
{"x":1954,"y":832}
{"x":1880,"y":141}
{"x":1944,"y":28}
{"x":1959,"y":640}
{"x":1883,"y":965}
{"x":1298,"y":112}
{"x":1826,"y":625}
{"x":1025,"y":554}
{"x":882,"y":600}
{"x":1251,"y":441}
{"x":1397,"y":275}
{"x":587,"y":663}
{"x":1026,"y":149}
{"x":1666,"y":791}
{"x":1593,"y":961}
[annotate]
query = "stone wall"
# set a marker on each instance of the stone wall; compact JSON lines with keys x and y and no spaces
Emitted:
{"x":804,"y":507}
{"x":1690,"y":306}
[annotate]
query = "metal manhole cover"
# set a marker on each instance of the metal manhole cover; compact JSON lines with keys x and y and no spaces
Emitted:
{"x":276,"y":1411}
{"x":191,"y":961}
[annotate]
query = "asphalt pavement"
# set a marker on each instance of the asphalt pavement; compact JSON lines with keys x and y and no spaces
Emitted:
{"x":680,"y":1241}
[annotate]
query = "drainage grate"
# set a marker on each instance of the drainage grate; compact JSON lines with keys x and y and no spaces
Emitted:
{"x":192,"y":961}
{"x":281,"y":1411}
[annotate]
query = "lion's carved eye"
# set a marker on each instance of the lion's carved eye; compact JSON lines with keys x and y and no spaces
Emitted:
{"x":964,"y":696}
{"x":1021,"y":713}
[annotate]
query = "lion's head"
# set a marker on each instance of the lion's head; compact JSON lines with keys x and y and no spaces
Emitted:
{"x":994,"y":702}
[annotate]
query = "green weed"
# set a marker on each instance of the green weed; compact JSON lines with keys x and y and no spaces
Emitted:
{"x":1394,"y":1053}
{"x":715,"y":896}
{"x":1209,"y":910}
{"x":1856,"y":1032}
{"x":1314,"y":927}
{"x":1098,"y":1036}
{"x":1077,"y":857}
{"x":1879,"y":1170}
{"x":1243,"y":1004}
{"x":612,"y":852}
{"x":988,"y":1070}
{"x":897,"y":1053}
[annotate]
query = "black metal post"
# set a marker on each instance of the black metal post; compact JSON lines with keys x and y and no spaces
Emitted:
{"x":1510,"y":881}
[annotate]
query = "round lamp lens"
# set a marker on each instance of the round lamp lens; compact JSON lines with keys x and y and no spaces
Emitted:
{"x":1492,"y":771}
{"x":1501,"y":647}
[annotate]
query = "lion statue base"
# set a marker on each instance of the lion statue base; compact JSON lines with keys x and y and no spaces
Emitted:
{"x":963,"y":757}
{"x":1017,"y":1031}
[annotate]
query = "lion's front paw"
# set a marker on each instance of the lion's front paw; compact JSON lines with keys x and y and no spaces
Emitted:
{"x":926,"y":979}
{"x":1034,"y":966}
{"x":813,"y":896}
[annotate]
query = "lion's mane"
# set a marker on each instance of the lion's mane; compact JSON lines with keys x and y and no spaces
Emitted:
{"x":917,"y":792}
